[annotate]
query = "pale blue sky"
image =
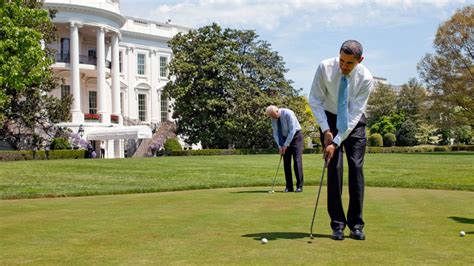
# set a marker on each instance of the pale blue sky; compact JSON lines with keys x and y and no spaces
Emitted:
{"x":395,"y":34}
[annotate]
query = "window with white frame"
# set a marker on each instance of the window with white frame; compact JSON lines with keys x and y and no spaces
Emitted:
{"x":92,"y":102}
{"x":120,"y":61}
{"x":140,"y":64}
{"x":65,"y":91}
{"x":164,"y":109}
{"x":163,"y":66}
{"x":142,"y":107}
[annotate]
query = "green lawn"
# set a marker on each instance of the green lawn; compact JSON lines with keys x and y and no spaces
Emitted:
{"x":224,"y":226}
{"x":56,"y":178}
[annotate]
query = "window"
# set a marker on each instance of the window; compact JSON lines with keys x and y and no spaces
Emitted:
{"x":92,"y":102}
{"x":65,"y":91}
{"x":164,"y":109}
{"x":91,"y":56}
{"x":64,"y":55}
{"x":121,"y":103}
{"x":141,"y":64}
{"x":163,"y":66}
{"x":142,"y":107}
{"x":120,"y":61}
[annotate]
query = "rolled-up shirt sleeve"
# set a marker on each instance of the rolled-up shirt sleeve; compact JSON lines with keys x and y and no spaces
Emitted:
{"x":356,"y":109}
{"x":316,"y":99}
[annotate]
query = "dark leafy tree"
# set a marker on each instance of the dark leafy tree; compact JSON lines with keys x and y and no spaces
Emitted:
{"x":222,"y":80}
{"x":27,"y":112}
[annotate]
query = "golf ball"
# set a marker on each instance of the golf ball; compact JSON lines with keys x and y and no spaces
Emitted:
{"x":462,"y":233}
{"x":264,"y":240}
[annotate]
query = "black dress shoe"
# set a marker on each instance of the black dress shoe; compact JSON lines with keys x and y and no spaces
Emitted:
{"x":338,"y":234}
{"x":300,"y":189}
{"x":357,"y":234}
{"x":288,"y":190}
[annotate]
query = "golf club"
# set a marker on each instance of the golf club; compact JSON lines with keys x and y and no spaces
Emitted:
{"x":272,"y":191}
{"x":317,"y":200}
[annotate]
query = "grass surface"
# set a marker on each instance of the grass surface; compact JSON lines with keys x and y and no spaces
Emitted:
{"x":57,"y":178}
{"x":224,"y":226}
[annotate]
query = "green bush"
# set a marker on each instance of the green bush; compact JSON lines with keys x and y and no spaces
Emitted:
{"x":172,"y":144}
{"x":442,"y":148}
{"x":376,"y":140}
{"x":60,"y":144}
{"x":389,"y":140}
{"x":41,"y":155}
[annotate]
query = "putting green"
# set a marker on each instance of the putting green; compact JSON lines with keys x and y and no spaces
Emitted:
{"x":224,"y":226}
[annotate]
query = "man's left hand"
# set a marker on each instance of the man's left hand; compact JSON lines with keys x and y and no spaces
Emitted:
{"x":283,"y":150}
{"x":329,"y":152}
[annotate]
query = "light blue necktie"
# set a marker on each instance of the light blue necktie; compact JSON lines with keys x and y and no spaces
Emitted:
{"x":342,"y":111}
{"x":281,"y":139}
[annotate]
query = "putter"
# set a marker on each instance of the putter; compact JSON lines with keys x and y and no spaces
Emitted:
{"x":273,"y":191}
{"x":317,"y":200}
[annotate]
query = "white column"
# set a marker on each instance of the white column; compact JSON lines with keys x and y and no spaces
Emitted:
{"x":116,"y":78}
{"x":102,"y":111}
{"x":77,"y":115}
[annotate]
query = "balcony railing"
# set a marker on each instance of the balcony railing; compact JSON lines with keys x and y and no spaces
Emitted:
{"x":83,"y":59}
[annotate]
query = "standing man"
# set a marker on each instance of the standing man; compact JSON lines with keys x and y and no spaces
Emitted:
{"x":288,"y":136}
{"x":338,"y":99}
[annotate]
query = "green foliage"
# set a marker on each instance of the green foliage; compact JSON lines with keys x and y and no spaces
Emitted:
{"x":383,"y":126}
{"x":448,"y":73}
{"x":381,"y":103}
{"x":463,"y":134}
{"x":406,"y":135}
{"x":172,"y":144}
{"x":27,"y":111}
{"x":411,"y":101}
{"x":224,"y":79}
{"x":60,"y":144}
{"x":389,"y":140}
{"x":427,"y":134}
{"x":375,"y":140}
{"x":41,"y":155}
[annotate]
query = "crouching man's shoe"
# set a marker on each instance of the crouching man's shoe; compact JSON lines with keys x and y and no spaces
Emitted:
{"x":300,"y":189}
{"x":338,"y":234}
{"x":357,"y":234}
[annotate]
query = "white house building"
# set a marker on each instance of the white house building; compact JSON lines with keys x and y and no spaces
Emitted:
{"x":115,"y":67}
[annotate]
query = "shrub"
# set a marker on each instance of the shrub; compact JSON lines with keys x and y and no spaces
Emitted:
{"x":172,"y":144}
{"x":406,"y":135}
{"x":41,"y":155}
{"x":389,"y":140}
{"x":60,"y":144}
{"x":376,"y":140}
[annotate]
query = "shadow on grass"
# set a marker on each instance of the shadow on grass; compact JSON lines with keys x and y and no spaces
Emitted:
{"x":462,"y":220}
{"x":256,"y":191}
{"x":283,"y":235}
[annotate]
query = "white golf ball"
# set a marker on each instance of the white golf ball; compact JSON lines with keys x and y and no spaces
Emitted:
{"x":264,"y":240}
{"x":462,"y":233}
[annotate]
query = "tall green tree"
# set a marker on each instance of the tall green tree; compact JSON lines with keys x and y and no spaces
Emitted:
{"x":449,"y":73}
{"x":382,"y":102}
{"x":222,"y":80}
{"x":412,"y":101}
{"x":27,"y":111}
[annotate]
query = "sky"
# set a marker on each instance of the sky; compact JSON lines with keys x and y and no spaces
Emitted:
{"x":395,"y":34}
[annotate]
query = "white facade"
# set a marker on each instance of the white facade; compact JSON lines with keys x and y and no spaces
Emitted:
{"x":115,"y":67}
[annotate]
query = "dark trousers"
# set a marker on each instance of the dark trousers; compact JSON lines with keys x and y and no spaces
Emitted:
{"x":295,"y":150}
{"x":354,"y":146}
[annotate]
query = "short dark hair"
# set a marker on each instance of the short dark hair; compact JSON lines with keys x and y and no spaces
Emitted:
{"x":352,"y":47}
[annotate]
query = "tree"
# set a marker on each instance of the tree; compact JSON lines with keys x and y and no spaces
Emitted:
{"x":412,"y":101}
{"x":27,"y":111}
{"x":222,"y":80}
{"x":381,"y":103}
{"x":406,"y":135}
{"x":449,"y":73}
{"x":383,"y":126}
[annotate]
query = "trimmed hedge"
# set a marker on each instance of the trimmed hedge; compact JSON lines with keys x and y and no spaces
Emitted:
{"x":208,"y":152}
{"x":375,"y":140}
{"x":41,"y":155}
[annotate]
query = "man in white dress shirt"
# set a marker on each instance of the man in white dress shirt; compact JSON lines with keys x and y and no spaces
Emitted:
{"x":338,"y":99}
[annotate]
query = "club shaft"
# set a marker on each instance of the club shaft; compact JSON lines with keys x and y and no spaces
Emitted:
{"x":317,"y":199}
{"x":279,"y":163}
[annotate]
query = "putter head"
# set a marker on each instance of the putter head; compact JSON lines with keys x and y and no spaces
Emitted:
{"x":271,"y":191}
